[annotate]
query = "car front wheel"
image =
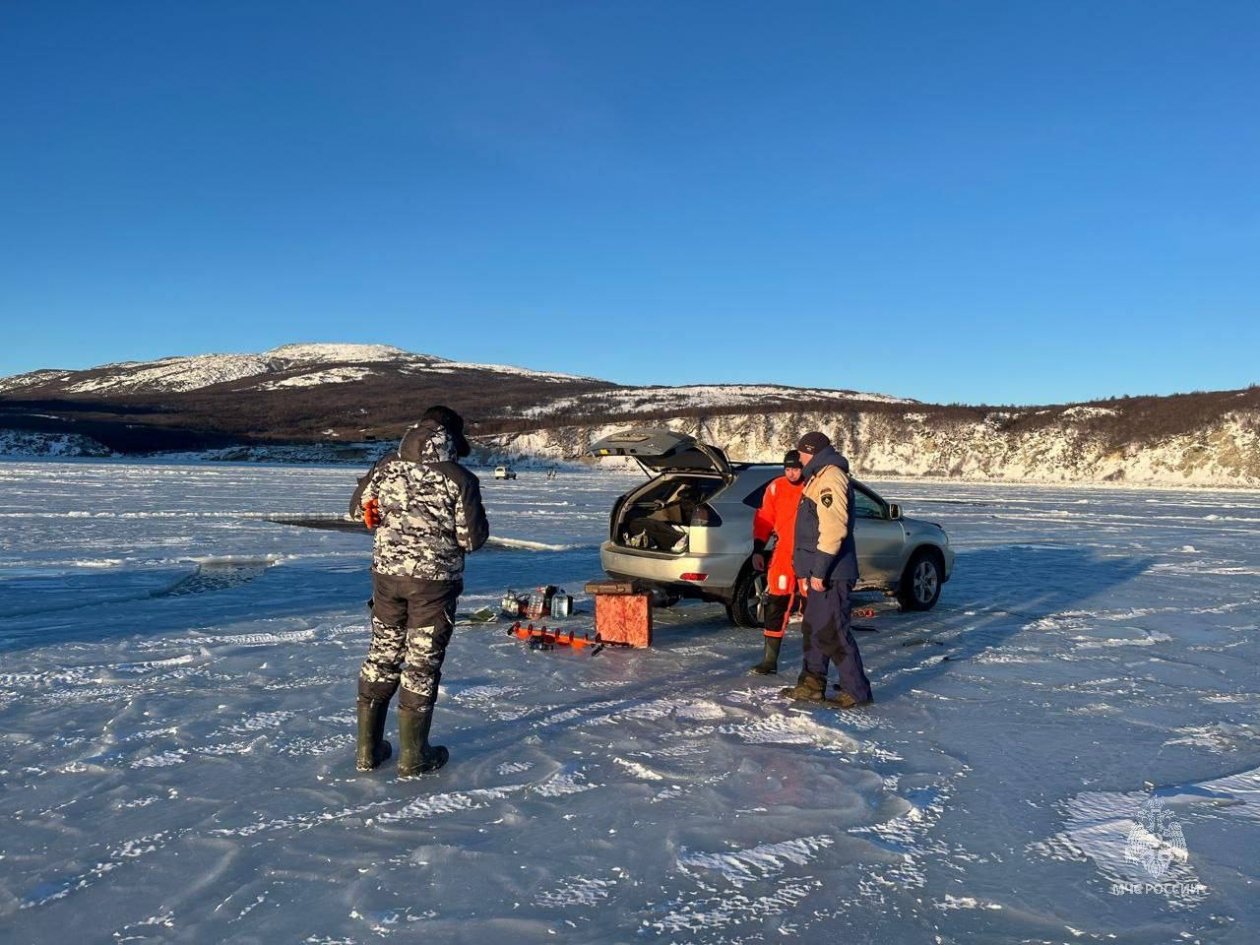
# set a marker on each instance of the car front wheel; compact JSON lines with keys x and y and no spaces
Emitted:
{"x":920,"y":586}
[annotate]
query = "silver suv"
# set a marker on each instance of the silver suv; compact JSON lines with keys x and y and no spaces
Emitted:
{"x":687,"y":531}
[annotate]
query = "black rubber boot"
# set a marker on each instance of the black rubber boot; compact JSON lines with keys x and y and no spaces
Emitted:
{"x":769,"y":664}
{"x":809,"y":689}
{"x":415,"y":754}
{"x":373,"y":749}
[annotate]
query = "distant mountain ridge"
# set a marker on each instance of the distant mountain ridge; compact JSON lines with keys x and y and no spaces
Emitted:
{"x":314,"y":401}
{"x":295,"y":365}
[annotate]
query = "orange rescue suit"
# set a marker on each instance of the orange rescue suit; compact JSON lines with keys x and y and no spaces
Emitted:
{"x":777,"y":516}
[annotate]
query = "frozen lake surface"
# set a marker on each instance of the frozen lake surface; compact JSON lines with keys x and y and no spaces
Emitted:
{"x":1066,"y":750}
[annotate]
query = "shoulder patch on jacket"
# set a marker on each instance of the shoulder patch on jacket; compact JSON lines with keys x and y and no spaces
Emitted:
{"x":826,"y":498}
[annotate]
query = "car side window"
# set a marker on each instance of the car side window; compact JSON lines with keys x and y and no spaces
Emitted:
{"x":865,"y":506}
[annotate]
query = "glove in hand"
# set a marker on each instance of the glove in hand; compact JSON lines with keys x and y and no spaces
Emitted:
{"x":372,"y":513}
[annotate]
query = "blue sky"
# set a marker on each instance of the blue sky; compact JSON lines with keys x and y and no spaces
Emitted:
{"x":1000,"y":202}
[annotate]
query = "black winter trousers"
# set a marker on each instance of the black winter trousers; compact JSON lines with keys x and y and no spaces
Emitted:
{"x":776,"y":615}
{"x":412,"y":620}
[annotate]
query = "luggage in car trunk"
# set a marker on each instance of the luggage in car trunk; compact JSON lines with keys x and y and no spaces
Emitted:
{"x":658,"y":515}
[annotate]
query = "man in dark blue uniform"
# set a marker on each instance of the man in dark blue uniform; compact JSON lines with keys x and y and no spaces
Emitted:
{"x":825,"y":561}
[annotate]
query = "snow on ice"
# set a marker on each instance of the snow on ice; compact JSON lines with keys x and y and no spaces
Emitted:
{"x":177,"y":684}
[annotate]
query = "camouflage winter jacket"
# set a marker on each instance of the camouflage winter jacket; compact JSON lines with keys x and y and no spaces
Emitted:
{"x":431,"y":511}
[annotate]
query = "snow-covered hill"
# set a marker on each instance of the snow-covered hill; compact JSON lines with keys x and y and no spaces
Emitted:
{"x":295,"y":365}
{"x":1057,"y":448}
{"x":19,"y":443}
{"x":770,"y":397}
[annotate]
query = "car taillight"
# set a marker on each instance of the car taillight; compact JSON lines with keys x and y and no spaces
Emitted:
{"x":705,"y":516}
{"x":693,"y":576}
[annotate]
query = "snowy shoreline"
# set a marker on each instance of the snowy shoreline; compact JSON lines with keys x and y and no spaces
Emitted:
{"x":542,"y":466}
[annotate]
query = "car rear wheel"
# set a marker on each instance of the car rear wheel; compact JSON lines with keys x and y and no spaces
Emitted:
{"x":920,"y":586}
{"x":745,"y":608}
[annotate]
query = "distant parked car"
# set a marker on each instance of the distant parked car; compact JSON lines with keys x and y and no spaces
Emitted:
{"x":687,"y":531}
{"x":504,"y":472}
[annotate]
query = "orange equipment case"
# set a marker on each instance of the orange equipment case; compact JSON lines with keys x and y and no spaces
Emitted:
{"x":623,"y":612}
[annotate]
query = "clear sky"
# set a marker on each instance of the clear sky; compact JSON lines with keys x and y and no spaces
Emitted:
{"x":998,"y":202}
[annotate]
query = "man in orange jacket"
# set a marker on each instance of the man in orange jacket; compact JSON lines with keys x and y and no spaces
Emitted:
{"x":777,"y":518}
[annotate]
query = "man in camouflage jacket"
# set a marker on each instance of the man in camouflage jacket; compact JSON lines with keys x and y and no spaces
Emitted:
{"x":429,"y":515}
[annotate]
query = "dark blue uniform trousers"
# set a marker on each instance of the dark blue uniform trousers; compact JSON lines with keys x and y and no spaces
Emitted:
{"x":829,"y":638}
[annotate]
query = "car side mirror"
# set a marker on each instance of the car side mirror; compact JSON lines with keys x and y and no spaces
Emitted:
{"x":894,"y":512}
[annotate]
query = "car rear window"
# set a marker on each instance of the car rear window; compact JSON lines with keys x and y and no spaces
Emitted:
{"x":754,"y":498}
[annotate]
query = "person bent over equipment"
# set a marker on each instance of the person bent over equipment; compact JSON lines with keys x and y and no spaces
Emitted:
{"x":825,"y":560}
{"x":777,"y":519}
{"x":428,"y":513}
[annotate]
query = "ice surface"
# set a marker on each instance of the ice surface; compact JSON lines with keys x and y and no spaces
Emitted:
{"x":176,"y":697}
